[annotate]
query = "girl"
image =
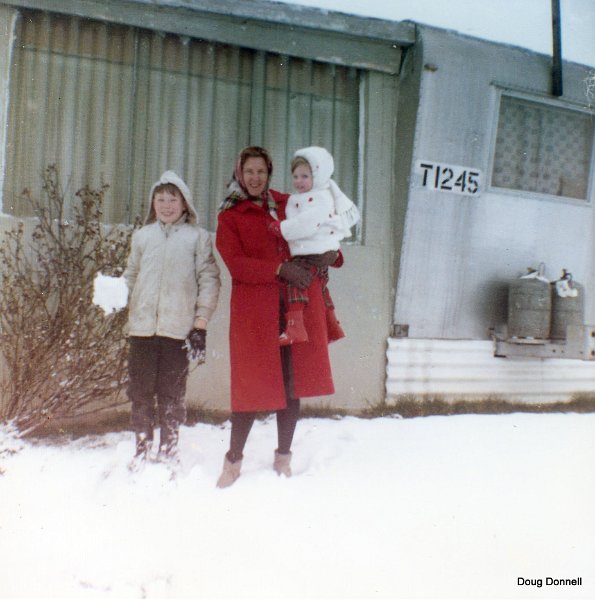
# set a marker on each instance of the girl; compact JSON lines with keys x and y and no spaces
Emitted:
{"x":173,"y":284}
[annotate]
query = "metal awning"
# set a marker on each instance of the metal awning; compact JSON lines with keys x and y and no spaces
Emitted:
{"x":286,"y":29}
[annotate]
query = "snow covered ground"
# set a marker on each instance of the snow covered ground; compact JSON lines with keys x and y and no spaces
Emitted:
{"x":435,"y":507}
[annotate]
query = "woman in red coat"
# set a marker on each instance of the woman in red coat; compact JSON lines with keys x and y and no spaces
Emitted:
{"x":264,"y":375}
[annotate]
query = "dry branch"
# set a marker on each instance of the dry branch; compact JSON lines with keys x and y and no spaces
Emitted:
{"x":63,"y":356}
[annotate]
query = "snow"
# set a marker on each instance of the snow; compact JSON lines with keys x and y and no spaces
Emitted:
{"x":435,"y":507}
{"x":523,"y":23}
{"x":109,"y":293}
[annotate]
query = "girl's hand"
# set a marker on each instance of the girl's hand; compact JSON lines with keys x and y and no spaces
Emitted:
{"x":196,"y":344}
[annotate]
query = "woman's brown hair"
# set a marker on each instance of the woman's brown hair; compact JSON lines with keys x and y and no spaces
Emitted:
{"x":253,"y":152}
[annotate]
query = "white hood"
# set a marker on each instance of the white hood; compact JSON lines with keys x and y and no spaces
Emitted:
{"x":173,"y":178}
{"x":322,"y":166}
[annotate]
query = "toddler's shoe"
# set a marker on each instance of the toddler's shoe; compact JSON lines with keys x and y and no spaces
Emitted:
{"x":295,"y":332}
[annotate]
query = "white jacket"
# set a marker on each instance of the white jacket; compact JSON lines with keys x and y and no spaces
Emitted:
{"x":171,"y":274}
{"x":312,"y":226}
{"x":317,"y":221}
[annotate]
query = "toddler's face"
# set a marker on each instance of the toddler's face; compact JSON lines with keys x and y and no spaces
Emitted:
{"x":168,"y":207}
{"x":302,"y":179}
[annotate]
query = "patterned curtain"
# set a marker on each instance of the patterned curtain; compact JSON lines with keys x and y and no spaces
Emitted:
{"x":543,"y":149}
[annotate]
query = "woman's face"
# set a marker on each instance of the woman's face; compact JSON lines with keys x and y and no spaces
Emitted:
{"x":255,"y":174}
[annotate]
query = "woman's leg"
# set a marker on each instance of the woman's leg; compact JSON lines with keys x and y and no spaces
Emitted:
{"x":288,"y":417}
{"x":241,"y":424}
{"x":286,"y":423}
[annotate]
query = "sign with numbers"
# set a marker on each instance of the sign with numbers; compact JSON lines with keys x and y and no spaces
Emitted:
{"x":449,"y":178}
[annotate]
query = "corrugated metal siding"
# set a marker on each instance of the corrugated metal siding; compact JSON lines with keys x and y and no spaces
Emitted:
{"x":469,"y":369}
{"x":118,"y":104}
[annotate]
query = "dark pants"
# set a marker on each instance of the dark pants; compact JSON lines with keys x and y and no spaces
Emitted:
{"x":157,"y":369}
{"x":287,"y":418}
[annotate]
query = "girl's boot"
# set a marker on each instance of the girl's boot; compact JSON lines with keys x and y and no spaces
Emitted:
{"x":143,"y":448}
{"x":231,"y":471}
{"x":295,"y":332}
{"x":168,"y":451}
{"x":282,"y":464}
{"x":168,"y":441}
{"x":334,"y":330}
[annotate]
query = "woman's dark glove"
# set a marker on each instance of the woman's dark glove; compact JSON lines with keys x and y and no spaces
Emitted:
{"x":196,"y":344}
{"x":295,"y":274}
{"x":320,"y":260}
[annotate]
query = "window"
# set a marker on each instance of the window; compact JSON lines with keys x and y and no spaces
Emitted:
{"x":117,"y":104}
{"x":543,"y":148}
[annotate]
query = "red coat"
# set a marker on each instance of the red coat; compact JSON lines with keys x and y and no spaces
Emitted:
{"x":252,"y":254}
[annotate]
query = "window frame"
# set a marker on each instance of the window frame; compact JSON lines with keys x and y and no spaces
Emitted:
{"x":546,"y":101}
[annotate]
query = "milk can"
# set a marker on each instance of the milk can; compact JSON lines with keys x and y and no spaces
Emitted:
{"x":529,"y":306}
{"x":567,"y":305}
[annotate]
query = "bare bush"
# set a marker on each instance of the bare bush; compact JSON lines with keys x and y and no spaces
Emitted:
{"x":63,"y":357}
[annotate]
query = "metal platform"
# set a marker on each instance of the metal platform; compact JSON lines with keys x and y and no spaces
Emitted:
{"x":579,"y":344}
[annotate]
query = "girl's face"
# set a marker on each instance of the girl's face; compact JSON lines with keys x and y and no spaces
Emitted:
{"x":302,"y":179}
{"x":169,"y":207}
{"x":255,"y":175}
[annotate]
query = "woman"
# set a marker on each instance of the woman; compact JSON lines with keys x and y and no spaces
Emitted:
{"x":265,"y":376}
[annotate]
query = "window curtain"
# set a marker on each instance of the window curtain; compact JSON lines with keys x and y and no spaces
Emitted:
{"x":543,"y":149}
{"x":118,"y":105}
{"x":72,"y":84}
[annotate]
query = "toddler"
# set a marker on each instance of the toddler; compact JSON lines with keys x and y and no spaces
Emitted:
{"x":318,"y":216}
